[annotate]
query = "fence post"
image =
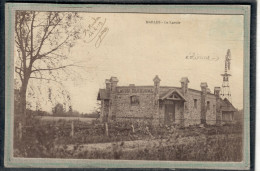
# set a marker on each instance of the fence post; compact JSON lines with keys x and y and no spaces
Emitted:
{"x":133,"y":128}
{"x":106,"y":128}
{"x":72,"y":128}
{"x":20,"y":131}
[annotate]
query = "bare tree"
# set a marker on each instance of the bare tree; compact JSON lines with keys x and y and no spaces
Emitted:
{"x":43,"y":40}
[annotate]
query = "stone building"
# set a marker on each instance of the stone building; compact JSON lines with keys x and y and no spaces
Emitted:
{"x":228,"y":111}
{"x":162,"y":104}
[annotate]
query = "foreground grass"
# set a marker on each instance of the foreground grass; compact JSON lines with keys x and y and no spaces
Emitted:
{"x":54,"y":140}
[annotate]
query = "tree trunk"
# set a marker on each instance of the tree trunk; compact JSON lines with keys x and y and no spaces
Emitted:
{"x":23,"y":101}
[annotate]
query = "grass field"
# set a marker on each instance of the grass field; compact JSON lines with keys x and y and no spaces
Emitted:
{"x":54,"y":139}
{"x":51,"y":118}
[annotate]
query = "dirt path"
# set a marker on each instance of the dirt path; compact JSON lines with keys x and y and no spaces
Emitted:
{"x":126,"y":145}
{"x":138,"y":144}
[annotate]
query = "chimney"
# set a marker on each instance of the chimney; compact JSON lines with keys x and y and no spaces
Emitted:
{"x":112,"y":102}
{"x":113,"y":81}
{"x":184,"y":85}
{"x":204,"y":87}
{"x":156,"y":81}
{"x":218,"y":113}
{"x":217,"y":91}
{"x":108,"y":85}
{"x":156,"y":113}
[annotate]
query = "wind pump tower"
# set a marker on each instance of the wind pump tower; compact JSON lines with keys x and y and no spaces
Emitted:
{"x":225,"y":90}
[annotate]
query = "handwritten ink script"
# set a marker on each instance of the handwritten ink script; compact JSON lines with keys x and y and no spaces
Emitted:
{"x":96,"y":31}
{"x":161,"y":22}
{"x":194,"y":56}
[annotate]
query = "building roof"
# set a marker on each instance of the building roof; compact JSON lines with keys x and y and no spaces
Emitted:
{"x":103,"y":95}
{"x":225,"y":105}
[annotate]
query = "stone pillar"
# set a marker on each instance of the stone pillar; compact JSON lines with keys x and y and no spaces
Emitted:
{"x":218,"y":112}
{"x":112,"y":102}
{"x":182,"y":121}
{"x":184,"y":89}
{"x":204,"y":87}
{"x":184,"y":85}
{"x":156,"y":81}
{"x":105,"y":103}
{"x":108,"y":85}
{"x":113,"y":81}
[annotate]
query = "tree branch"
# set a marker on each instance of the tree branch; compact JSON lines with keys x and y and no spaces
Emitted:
{"x":50,"y":69}
{"x":54,"y":49}
{"x":32,"y":36}
{"x":46,"y":34}
{"x":47,"y":79}
{"x":43,"y":38}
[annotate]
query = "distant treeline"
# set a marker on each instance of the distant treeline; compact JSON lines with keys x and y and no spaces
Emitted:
{"x":65,"y":114}
{"x":57,"y":111}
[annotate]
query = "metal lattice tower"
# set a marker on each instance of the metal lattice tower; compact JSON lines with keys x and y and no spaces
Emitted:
{"x":225,"y":90}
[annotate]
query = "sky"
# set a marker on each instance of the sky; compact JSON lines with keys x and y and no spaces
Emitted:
{"x":135,"y":51}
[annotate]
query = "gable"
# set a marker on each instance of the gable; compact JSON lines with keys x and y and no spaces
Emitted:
{"x":175,"y":96}
{"x":172,"y":95}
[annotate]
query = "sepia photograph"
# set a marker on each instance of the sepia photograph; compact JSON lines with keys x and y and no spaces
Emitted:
{"x":149,"y":86}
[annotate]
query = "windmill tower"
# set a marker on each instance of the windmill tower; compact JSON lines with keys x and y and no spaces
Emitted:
{"x":225,"y":90}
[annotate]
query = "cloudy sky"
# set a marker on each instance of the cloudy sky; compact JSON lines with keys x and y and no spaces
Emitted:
{"x":135,"y":51}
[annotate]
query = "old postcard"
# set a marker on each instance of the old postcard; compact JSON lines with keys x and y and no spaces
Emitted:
{"x":133,"y":86}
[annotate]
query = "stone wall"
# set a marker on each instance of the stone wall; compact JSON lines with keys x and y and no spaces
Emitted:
{"x":192,"y":113}
{"x":211,"y":112}
{"x":124,"y":108}
{"x":119,"y":106}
